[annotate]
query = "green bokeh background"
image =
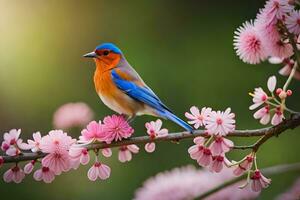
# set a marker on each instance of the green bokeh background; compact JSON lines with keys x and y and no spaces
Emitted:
{"x":182,"y":49}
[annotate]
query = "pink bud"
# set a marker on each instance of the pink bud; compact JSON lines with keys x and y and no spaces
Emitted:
{"x":258,"y":181}
{"x":278,"y":91}
{"x":29,"y":167}
{"x":289,"y":92}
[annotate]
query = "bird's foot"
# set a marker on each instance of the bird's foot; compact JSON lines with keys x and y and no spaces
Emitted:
{"x":130,"y":119}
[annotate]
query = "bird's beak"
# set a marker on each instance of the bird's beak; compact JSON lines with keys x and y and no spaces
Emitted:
{"x":90,"y":55}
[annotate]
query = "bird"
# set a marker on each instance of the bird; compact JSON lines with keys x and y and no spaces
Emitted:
{"x":122,"y":89}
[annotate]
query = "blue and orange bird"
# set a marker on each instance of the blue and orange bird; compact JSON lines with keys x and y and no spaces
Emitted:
{"x":121,"y":88}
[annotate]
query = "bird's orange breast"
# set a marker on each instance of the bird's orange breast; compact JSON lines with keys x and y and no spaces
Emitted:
{"x":112,"y":97}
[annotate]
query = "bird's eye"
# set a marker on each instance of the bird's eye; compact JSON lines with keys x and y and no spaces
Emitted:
{"x":105,"y":53}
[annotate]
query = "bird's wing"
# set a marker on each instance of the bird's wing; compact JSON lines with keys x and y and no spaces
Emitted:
{"x":136,"y":89}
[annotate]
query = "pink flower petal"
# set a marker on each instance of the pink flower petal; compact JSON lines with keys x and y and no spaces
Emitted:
{"x":104,"y":172}
{"x":150,"y":147}
{"x":85,"y":159}
{"x":93,"y":173}
{"x":272,"y":83}
{"x":133,"y":148}
{"x":107,"y":152}
{"x":29,"y":167}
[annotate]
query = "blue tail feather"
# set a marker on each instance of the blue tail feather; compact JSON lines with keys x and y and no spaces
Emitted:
{"x":177,"y":120}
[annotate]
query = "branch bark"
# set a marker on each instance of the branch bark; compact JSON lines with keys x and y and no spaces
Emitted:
{"x":266,"y":134}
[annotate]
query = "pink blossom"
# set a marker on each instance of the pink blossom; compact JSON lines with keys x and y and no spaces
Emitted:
{"x":218,"y":162}
{"x":220,"y":145}
{"x":245,"y":165}
{"x":197,"y":118}
{"x":288,"y":64}
{"x":287,"y":69}
{"x":279,"y":48}
{"x":277,"y":117}
{"x":14,"y":174}
{"x":29,"y":167}
{"x":275,"y":60}
{"x":248,"y":44}
{"x":274,"y":10}
{"x":263,"y":114}
{"x":57,"y":162}
{"x":72,"y":115}
{"x":274,"y":44}
{"x":195,"y":151}
{"x":125,"y":152}
{"x":154,"y":131}
{"x":293,"y":22}
{"x":34,"y":144}
{"x":93,"y":131}
{"x":258,"y":181}
{"x":56,"y":143}
{"x":206,"y":157}
{"x":272,"y":41}
{"x":189,"y":183}
{"x":106,"y":152}
{"x":44,"y":174}
{"x":116,"y":128}
{"x":259,"y":98}
{"x":292,"y":193}
{"x":98,"y":170}
{"x":220,"y":123}
{"x":78,"y":155}
{"x":268,"y":32}
{"x":11,"y":142}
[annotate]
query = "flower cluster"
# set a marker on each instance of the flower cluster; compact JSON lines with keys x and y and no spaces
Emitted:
{"x":256,"y":179}
{"x":154,"y":131}
{"x":272,"y":106}
{"x":12,"y":143}
{"x":211,"y":152}
{"x":63,"y":153}
{"x":270,"y":35}
{"x":113,"y":128}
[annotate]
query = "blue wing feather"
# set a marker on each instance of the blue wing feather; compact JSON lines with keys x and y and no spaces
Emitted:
{"x":142,"y":94}
{"x":147,"y":96}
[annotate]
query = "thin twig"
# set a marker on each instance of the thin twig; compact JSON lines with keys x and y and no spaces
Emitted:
{"x":267,"y":133}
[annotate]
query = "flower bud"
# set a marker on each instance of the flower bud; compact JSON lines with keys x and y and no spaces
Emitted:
{"x":289,"y":92}
{"x":278,"y":91}
{"x":282,"y":95}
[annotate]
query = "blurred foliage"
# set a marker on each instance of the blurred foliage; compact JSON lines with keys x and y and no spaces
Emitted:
{"x":182,"y":49}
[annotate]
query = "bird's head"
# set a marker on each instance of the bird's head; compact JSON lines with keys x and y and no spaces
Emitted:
{"x":106,"y":55}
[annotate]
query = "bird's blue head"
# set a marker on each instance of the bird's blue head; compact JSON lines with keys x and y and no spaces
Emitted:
{"x":106,"y":54}
{"x":110,"y":47}
{"x":103,"y":50}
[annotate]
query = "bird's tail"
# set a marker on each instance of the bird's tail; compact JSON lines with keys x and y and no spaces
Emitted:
{"x":177,"y":120}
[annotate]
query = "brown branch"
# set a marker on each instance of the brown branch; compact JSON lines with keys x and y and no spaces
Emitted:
{"x":279,"y":169}
{"x":267,"y":133}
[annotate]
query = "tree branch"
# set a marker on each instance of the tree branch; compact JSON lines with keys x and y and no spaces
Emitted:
{"x":267,"y":133}
{"x":267,"y":171}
